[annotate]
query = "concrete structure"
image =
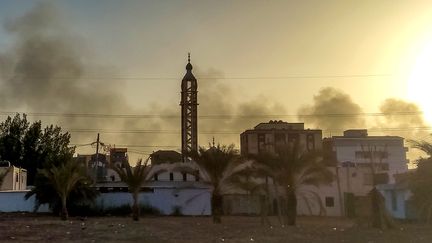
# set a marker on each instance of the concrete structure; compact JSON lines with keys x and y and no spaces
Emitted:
{"x":97,"y":165}
{"x":117,"y":157}
{"x":14,"y":201}
{"x":352,"y":155}
{"x":167,"y":197}
{"x":15,"y":178}
{"x":397,"y":197}
{"x":265,"y":137}
{"x":190,"y":198}
{"x":361,"y":159}
{"x":356,"y":148}
{"x":165,"y":156}
{"x":189,"y":110}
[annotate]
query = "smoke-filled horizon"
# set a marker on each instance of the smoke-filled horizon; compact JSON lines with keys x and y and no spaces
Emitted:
{"x":48,"y":70}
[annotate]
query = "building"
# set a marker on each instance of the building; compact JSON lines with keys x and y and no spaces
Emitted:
{"x":98,"y":164}
{"x":15,"y":179}
{"x":165,"y":156}
{"x":357,"y":149}
{"x":362,"y":162}
{"x":117,"y":157}
{"x":265,"y":137}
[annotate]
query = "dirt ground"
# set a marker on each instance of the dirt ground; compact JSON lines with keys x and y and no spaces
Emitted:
{"x":45,"y":228}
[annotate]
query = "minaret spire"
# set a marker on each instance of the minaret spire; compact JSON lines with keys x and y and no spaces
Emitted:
{"x":189,"y":110}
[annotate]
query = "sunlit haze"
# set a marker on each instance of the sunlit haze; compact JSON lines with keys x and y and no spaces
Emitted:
{"x":254,"y":61}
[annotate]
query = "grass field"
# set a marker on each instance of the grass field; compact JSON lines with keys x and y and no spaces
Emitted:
{"x":44,"y":228}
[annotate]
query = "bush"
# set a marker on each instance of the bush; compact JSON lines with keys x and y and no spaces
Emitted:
{"x":177,"y":211}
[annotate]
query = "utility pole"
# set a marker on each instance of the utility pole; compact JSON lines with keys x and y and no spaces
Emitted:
{"x":97,"y":158}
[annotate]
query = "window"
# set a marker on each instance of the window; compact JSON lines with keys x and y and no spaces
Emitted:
{"x":367,"y":154}
{"x":156,"y":177}
{"x":329,"y":202}
{"x":310,"y":142}
{"x":280,"y":139}
{"x":394,"y":200}
{"x":184,"y":177}
{"x":16,"y":177}
{"x":261,"y":142}
{"x":171,"y":176}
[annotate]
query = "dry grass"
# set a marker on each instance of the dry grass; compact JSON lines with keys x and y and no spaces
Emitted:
{"x":43,"y":228}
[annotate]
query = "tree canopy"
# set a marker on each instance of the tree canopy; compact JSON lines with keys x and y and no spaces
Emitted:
{"x":29,"y":146}
{"x":421,"y":180}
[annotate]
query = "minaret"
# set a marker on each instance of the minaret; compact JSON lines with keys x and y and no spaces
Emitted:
{"x":189,"y":104}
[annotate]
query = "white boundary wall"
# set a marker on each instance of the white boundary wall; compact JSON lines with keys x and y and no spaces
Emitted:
{"x":14,"y":201}
{"x":189,"y":201}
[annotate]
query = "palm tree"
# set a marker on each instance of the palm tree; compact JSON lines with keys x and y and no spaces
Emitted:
{"x":135,"y":177}
{"x":422,"y":145}
{"x":216,"y":164}
{"x":290,"y":168}
{"x":381,"y":218}
{"x":247,"y":179}
{"x":420,"y":182}
{"x":64,"y":179}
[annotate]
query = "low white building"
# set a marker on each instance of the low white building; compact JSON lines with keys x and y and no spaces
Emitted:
{"x":15,"y":178}
{"x":186,"y":198}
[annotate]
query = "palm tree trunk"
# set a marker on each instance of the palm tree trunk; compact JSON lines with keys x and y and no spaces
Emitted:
{"x":64,"y":211}
{"x":216,"y":204}
{"x":278,"y":202}
{"x":291,"y":206}
{"x":135,"y":206}
{"x":380,"y":217}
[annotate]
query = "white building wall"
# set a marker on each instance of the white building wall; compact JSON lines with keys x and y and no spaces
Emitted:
{"x":309,"y":204}
{"x":14,"y":201}
{"x":190,"y":201}
{"x":351,"y":180}
{"x":346,"y":149}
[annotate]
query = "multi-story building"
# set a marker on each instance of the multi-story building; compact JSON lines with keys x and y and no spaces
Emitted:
{"x":387,"y":154}
{"x":266,"y":137}
{"x":362,"y":162}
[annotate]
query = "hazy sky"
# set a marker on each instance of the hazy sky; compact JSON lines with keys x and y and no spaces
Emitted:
{"x":255,"y":45}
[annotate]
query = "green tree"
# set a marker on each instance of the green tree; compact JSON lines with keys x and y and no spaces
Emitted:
{"x":290,"y":167}
{"x":12,"y":132}
{"x":135,"y":177}
{"x":28,"y":146}
{"x":421,"y":181}
{"x":216,"y":164}
{"x":63,"y":180}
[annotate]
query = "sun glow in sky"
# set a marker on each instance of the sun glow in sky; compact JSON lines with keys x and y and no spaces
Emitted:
{"x":276,"y":55}
{"x":420,"y":81}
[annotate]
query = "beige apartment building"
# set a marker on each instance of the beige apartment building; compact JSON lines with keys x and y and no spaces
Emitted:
{"x":265,"y":137}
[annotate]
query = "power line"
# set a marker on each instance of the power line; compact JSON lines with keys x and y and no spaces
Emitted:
{"x":177,"y":132}
{"x":211,"y":77}
{"x":212,"y":116}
